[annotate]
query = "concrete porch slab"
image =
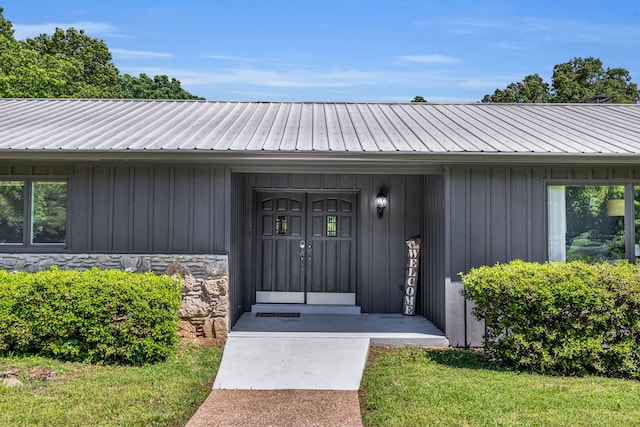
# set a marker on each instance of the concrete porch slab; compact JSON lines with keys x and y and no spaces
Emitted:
{"x":381,"y":329}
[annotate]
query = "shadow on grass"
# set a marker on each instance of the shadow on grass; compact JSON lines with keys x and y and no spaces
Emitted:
{"x":454,"y":358}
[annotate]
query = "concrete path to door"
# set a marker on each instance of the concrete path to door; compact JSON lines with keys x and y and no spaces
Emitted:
{"x":302,"y":368}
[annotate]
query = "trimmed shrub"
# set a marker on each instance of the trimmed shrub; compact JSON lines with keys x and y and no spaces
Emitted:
{"x":90,"y":316}
{"x":569,"y":318}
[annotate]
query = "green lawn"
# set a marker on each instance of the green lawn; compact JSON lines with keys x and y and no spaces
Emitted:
{"x":420,"y":387}
{"x":163,"y":394}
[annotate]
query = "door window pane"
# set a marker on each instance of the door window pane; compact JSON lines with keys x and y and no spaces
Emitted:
{"x":11,"y":212}
{"x":586,"y":223}
{"x":49,"y":212}
{"x":281,"y":225}
{"x":332,"y":226}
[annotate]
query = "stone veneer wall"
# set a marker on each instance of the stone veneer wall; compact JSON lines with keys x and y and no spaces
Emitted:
{"x":205,"y":280}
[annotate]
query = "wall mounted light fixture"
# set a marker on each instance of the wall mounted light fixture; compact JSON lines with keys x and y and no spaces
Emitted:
{"x":381,"y":203}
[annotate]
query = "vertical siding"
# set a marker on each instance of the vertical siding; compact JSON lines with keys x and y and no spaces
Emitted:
{"x":158,"y":209}
{"x":239,"y":262}
{"x":433,"y":251}
{"x":498,"y":214}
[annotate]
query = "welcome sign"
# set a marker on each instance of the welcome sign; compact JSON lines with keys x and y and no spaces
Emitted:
{"x":411,"y":278}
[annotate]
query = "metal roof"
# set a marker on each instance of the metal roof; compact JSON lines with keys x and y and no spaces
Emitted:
{"x":75,"y":125}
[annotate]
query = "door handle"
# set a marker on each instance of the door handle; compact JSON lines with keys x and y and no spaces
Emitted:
{"x":302,"y":244}
{"x":309,"y":256}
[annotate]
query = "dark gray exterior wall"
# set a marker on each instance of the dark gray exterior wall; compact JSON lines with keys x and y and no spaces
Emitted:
{"x":433,"y":250}
{"x":141,"y":208}
{"x":498,"y":214}
{"x":381,"y":242}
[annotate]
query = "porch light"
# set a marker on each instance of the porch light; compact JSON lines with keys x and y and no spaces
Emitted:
{"x":381,"y":203}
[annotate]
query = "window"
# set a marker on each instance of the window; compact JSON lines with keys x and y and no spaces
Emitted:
{"x":281,"y":225}
{"x":36,"y":206}
{"x":586,"y":223}
{"x":332,"y":226}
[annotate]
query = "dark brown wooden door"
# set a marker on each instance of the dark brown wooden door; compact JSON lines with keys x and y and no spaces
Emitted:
{"x":306,"y":248}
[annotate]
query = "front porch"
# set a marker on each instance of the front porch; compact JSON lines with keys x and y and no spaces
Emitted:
{"x":331,"y":322}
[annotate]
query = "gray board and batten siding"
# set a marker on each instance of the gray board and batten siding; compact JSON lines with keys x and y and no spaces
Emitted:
{"x":128,"y":208}
{"x":498,"y":214}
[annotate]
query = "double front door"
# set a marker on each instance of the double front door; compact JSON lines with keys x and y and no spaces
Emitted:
{"x":306,"y":248}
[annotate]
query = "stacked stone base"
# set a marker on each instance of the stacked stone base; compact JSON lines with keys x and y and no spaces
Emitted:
{"x":205,"y":281}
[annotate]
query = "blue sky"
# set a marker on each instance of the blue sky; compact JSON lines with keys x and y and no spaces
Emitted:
{"x":345,"y":50}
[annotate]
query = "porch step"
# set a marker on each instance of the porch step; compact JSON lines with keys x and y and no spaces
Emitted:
{"x":305,"y":308}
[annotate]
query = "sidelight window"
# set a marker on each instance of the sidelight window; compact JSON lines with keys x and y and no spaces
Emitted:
{"x":33,"y":212}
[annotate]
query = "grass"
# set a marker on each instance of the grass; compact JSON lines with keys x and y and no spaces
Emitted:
{"x":162,"y":394}
{"x":422,"y":387}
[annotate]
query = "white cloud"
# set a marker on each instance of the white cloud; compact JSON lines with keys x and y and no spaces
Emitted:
{"x":429,"y":59}
{"x":231,"y":58}
{"x":23,"y":31}
{"x":284,"y":78}
{"x":138,"y":54}
{"x":547,"y":30}
{"x":482,"y":82}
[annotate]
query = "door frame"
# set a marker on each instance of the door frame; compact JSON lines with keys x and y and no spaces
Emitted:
{"x":321,"y":297}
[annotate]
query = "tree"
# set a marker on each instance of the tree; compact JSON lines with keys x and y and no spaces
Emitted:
{"x":6,"y":28}
{"x":573,"y":81}
{"x":418,"y":99}
{"x":160,"y":87}
{"x":99,"y":78}
{"x":71,"y":64}
{"x":25,"y":72}
{"x":531,"y":89}
{"x":581,"y":79}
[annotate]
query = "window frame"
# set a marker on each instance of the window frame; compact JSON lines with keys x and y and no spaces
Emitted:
{"x":629,"y":213}
{"x":27,"y":234}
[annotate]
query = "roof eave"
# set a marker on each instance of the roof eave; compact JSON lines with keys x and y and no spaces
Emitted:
{"x":319,"y":158}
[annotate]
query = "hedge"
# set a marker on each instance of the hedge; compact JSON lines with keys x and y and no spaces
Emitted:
{"x":90,"y":316}
{"x":568,"y":318}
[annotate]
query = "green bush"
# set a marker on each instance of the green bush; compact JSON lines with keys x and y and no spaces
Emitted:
{"x":91,"y":316}
{"x":569,"y":318}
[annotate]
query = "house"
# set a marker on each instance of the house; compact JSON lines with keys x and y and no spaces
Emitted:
{"x":279,"y":199}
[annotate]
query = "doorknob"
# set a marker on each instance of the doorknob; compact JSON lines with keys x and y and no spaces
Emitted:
{"x":302,"y":243}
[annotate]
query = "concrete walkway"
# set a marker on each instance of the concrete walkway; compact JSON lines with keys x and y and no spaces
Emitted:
{"x":304,"y":370}
{"x":292,"y":363}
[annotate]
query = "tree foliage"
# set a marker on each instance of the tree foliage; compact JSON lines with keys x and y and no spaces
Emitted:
{"x":531,"y":89}
{"x":71,"y":64}
{"x":574,"y":81}
{"x":158,"y":87}
{"x":99,"y":78}
{"x":418,"y":98}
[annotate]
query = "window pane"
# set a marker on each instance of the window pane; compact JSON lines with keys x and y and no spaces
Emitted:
{"x":332,"y":226}
{"x":11,"y":211}
{"x":281,"y":225}
{"x":49,"y":210}
{"x":586,"y":223}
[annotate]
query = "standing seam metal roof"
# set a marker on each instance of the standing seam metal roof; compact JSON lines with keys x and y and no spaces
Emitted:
{"x":142,"y":125}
